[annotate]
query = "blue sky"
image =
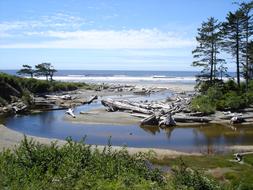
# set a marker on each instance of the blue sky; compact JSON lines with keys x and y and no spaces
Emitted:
{"x":104,"y":34}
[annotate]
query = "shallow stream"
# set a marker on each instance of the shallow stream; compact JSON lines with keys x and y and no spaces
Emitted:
{"x":204,"y":138}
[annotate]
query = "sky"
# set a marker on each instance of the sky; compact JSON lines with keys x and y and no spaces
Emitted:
{"x":104,"y":34}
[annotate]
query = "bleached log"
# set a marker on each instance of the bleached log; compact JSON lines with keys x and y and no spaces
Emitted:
{"x":66,"y":97}
{"x":236,"y":119}
{"x":92,"y":99}
{"x":117,"y":105}
{"x":70,"y":111}
{"x":168,"y":121}
{"x":196,"y":114}
{"x":229,"y":117}
{"x":142,"y":105}
{"x":151,"y":120}
{"x":188,"y":119}
{"x":139,"y":115}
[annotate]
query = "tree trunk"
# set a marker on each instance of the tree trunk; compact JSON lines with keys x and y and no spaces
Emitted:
{"x":237,"y":55}
{"x":212,"y":53}
{"x":247,"y":53}
{"x":215,"y":60}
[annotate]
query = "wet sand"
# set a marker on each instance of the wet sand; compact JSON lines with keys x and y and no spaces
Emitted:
{"x":101,"y":116}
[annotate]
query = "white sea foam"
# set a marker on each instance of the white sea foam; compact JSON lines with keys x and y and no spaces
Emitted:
{"x":124,"y":79}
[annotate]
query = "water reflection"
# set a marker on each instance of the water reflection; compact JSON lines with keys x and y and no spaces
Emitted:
{"x":207,"y":138}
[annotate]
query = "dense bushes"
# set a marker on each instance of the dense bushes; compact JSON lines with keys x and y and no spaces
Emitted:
{"x":13,"y":86}
{"x":74,"y":166}
{"x":222,"y":96}
{"x":42,"y":86}
{"x":78,"y":166}
{"x":203,"y":104}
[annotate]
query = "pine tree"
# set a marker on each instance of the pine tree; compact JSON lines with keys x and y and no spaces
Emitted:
{"x":45,"y":69}
{"x":209,"y":42}
{"x":250,"y":51}
{"x":26,"y":70}
{"x":246,"y":9}
{"x":233,"y":32}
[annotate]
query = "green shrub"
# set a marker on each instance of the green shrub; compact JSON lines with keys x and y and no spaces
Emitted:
{"x":203,"y":104}
{"x":214,"y":93}
{"x":75,"y":166}
{"x":233,"y":101}
{"x":203,"y":86}
{"x":37,"y":86}
{"x":185,"y":177}
{"x":250,"y":86}
{"x":230,"y":86}
{"x":27,"y":98}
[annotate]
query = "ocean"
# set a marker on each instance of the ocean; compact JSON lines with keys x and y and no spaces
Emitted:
{"x":122,"y":77}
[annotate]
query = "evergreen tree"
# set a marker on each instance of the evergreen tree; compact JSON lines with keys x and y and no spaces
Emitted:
{"x":246,"y":9}
{"x":233,"y":29}
{"x":222,"y":70}
{"x":209,"y":42}
{"x":26,"y":70}
{"x":250,"y":51}
{"x":45,"y":69}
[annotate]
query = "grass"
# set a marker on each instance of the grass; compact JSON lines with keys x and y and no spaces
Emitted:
{"x":231,"y":174}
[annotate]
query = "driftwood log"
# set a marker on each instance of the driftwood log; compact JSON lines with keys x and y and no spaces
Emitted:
{"x":167,"y":121}
{"x":117,"y":105}
{"x":151,"y":120}
{"x":187,"y":119}
{"x":91,"y":99}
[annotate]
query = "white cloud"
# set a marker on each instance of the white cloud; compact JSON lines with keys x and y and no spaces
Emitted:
{"x":107,"y":39}
{"x":58,"y":21}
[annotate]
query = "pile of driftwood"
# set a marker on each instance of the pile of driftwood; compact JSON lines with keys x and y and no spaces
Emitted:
{"x":162,"y":114}
{"x":16,"y":107}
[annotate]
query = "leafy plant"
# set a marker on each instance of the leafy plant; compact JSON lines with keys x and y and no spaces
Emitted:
{"x":185,"y":177}
{"x":75,"y":166}
{"x":203,"y":104}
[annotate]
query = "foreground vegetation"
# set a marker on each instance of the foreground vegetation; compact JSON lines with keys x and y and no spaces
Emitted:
{"x":78,"y":166}
{"x":222,"y":96}
{"x":15,"y":87}
{"x":231,"y":175}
